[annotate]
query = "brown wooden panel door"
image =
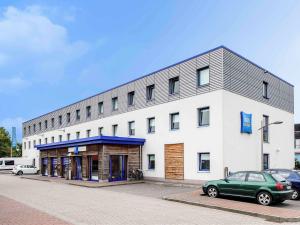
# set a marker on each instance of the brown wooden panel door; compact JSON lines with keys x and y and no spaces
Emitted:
{"x":174,"y":161}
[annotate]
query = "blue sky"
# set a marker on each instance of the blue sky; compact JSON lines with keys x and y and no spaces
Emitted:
{"x":53,"y":53}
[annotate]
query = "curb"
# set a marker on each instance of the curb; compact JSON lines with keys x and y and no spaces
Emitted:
{"x":267,"y":217}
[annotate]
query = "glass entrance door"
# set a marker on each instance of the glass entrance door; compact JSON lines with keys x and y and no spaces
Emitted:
{"x":117,"y":167}
{"x":54,"y":167}
{"x":93,"y":167}
{"x":78,"y":168}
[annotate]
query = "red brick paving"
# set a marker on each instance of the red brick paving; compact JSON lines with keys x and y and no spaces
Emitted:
{"x":269,"y":212}
{"x":15,"y":213}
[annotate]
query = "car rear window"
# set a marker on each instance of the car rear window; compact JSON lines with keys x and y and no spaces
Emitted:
{"x":278,"y":177}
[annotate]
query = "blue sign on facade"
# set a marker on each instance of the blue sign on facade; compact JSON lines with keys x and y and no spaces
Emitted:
{"x":76,"y":150}
{"x":13,"y":137}
{"x":246,"y":123}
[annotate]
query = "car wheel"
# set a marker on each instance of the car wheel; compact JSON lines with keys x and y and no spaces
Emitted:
{"x":264,"y":198}
{"x":20,"y":173}
{"x":212,"y":191}
{"x":295,"y":195}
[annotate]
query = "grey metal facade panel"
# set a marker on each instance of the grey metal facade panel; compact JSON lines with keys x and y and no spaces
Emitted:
{"x":227,"y":70}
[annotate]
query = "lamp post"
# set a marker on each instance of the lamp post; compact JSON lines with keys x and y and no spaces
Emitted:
{"x":262,"y":139}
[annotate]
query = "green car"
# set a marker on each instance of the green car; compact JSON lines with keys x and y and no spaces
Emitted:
{"x":264,"y":187}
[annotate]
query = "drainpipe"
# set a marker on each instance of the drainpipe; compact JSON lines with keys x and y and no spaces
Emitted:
{"x":141,"y":160}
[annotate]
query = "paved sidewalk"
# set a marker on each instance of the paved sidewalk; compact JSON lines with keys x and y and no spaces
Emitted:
{"x":271,"y":213}
{"x":15,"y":213}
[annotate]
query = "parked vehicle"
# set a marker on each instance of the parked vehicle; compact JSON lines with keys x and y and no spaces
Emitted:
{"x":292,"y":176}
{"x":266,"y":188}
{"x":9,"y":163}
{"x":25,"y":169}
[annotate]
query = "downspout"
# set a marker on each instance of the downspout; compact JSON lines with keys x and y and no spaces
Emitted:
{"x":141,"y":160}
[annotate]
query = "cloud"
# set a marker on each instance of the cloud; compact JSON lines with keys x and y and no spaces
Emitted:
{"x":37,"y":45}
{"x":13,"y":84}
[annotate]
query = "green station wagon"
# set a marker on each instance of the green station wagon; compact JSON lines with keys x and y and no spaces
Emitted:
{"x":264,"y":187}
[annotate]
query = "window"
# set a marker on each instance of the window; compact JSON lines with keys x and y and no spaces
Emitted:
{"x":88,"y":112}
{"x":40,"y":141}
{"x":68,"y":117}
{"x":256,"y":177}
{"x":40,"y":126}
{"x":239,"y":176}
{"x":60,"y":138}
{"x":29,"y":144}
{"x":265,"y":89}
{"x":24,"y":145}
{"x":60,"y":120}
{"x":52,"y":139}
{"x":114,"y":103}
{"x":174,"y":85}
{"x":203,"y":76}
{"x":46,"y":140}
{"x":88,"y":133}
{"x":151,"y":125}
{"x":24,"y":130}
{"x":34,"y":143}
{"x":130,"y":98}
{"x":131,"y":128}
{"x":150,"y":92}
{"x":266,"y":161}
{"x":114,"y":129}
{"x":52,"y":122}
{"x":100,"y":131}
{"x":34,"y":128}
{"x":297,"y":143}
{"x":29,"y":129}
{"x":9,"y":162}
{"x":266,"y":128}
{"x":46,"y":124}
{"x":78,"y":114}
{"x":204,"y":161}
{"x":174,"y":121}
{"x":151,"y":161}
{"x":77,"y":135}
{"x":203,"y":116}
{"x":100,"y":108}
{"x":68,"y":137}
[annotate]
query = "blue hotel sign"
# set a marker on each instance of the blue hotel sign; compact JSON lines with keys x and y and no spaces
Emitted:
{"x":246,"y":123}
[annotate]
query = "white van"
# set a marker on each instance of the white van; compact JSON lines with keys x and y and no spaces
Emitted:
{"x":9,"y":163}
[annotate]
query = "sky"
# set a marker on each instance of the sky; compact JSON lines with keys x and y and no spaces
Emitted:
{"x":53,"y":53}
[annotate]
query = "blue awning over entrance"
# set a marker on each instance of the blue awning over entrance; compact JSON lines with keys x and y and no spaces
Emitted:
{"x":93,"y":140}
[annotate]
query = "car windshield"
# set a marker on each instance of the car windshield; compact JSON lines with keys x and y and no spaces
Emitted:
{"x":278,"y":177}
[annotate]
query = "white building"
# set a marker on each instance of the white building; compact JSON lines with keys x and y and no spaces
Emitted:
{"x":188,"y":113}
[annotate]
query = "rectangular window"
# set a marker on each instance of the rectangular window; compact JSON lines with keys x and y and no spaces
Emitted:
{"x":78,"y":114}
{"x":34,"y":128}
{"x":297,"y":143}
{"x":52,"y":139}
{"x":77,"y":135}
{"x":266,"y":128}
{"x":100,"y":108}
{"x":204,"y":161}
{"x":203,"y":76}
{"x":151,"y":125}
{"x":255,"y":177}
{"x":151,"y":161}
{"x":150,"y":92}
{"x":130,"y":98}
{"x":40,"y":126}
{"x":29,"y":129}
{"x":60,"y":138}
{"x":68,"y":137}
{"x":265,"y":89}
{"x":46,"y":124}
{"x":68,"y":117}
{"x":100,"y":131}
{"x":46,"y":140}
{"x":131,"y":128}
{"x":174,"y":121}
{"x":29,"y":144}
{"x":34,"y":143}
{"x":114,"y":129}
{"x":60,"y":120}
{"x":52,"y":122}
{"x":9,"y":162}
{"x":24,"y":145}
{"x":40,"y":141}
{"x":114,"y":102}
{"x":174,"y":85}
{"x":88,"y":133}
{"x":88,"y":112}
{"x":203,"y":116}
{"x":24,"y":130}
{"x":266,"y":161}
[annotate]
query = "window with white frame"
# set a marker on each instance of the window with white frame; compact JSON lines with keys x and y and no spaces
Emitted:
{"x":203,"y":76}
{"x":68,"y":117}
{"x":68,"y":137}
{"x":203,"y":116}
{"x":78,"y":114}
{"x":40,"y":141}
{"x":131,"y":128}
{"x":88,"y":133}
{"x":297,"y":143}
{"x":114,"y":102}
{"x":52,"y":139}
{"x":265,"y":89}
{"x":29,"y":144}
{"x":174,"y":121}
{"x":151,"y":125}
{"x":150,"y":92}
{"x":52,"y":122}
{"x":174,"y":85}
{"x":77,"y":135}
{"x":60,"y":120}
{"x":60,"y":138}
{"x":130,"y":98}
{"x":34,"y":143}
{"x":265,"y":128}
{"x":46,"y":124}
{"x":88,"y":112}
{"x":204,"y":161}
{"x":46,"y":140}
{"x":24,"y":145}
{"x":114,"y":129}
{"x":40,"y":126}
{"x":151,"y":161}
{"x":100,"y":108}
{"x":100,"y":131}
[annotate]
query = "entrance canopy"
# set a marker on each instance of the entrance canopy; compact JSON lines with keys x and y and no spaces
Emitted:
{"x":93,"y":140}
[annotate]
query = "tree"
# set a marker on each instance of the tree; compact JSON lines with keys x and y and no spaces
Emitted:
{"x":18,"y":151}
{"x":5,"y":142}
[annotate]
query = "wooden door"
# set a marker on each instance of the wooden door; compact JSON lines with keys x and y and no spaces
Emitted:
{"x":174,"y":161}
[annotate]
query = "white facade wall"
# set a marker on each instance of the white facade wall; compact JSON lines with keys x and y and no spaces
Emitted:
{"x":222,"y":138}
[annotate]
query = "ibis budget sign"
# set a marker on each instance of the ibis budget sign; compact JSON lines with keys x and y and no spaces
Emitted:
{"x":246,"y":123}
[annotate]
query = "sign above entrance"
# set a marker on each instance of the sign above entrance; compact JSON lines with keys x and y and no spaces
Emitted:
{"x":246,"y":123}
{"x":77,"y":149}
